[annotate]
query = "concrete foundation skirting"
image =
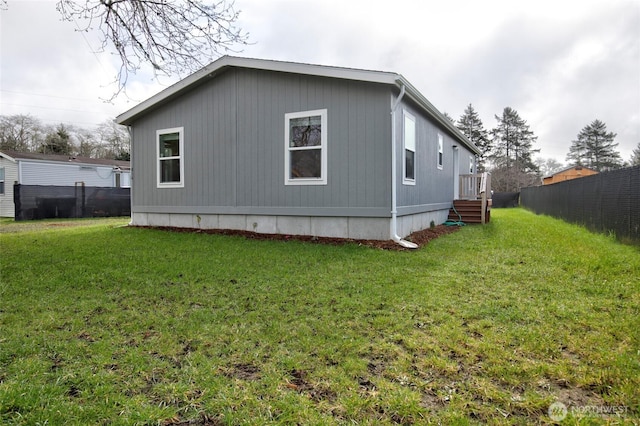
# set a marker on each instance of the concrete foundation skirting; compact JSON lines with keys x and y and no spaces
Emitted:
{"x":419,"y":221}
{"x":366,"y":228}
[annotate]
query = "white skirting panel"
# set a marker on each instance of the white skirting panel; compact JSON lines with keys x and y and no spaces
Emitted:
{"x":366,"y":228}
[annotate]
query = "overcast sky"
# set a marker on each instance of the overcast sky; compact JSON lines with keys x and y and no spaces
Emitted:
{"x":559,"y":63}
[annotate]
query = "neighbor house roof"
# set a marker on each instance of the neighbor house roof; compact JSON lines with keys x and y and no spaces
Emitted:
{"x":56,"y":158}
{"x":218,"y":66}
{"x":570,"y":168}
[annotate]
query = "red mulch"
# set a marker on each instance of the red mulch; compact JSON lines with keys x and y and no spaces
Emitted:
{"x":421,"y":237}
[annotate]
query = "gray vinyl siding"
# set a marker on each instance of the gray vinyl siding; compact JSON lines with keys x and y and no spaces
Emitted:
{"x":234,"y":147}
{"x":433,"y":186}
{"x":61,"y":174}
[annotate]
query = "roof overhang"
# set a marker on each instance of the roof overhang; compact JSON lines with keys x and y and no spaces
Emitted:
{"x":221,"y":64}
{"x":433,"y":112}
{"x":8,"y":157}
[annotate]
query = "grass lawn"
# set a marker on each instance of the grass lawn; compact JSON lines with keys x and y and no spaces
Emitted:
{"x":106,"y":324}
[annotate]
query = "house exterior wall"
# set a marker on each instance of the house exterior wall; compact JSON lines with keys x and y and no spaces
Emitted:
{"x":234,"y":148}
{"x":7,"y":208}
{"x":233,"y":128}
{"x":431,"y":196}
{"x":60,"y":174}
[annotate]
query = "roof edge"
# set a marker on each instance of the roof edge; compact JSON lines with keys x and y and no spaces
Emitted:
{"x":421,"y":100}
{"x":261,"y":64}
{"x":7,"y":156}
{"x":16,"y":156}
{"x":382,"y":77}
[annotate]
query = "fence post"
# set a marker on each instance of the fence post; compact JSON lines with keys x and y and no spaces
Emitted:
{"x":16,"y":202}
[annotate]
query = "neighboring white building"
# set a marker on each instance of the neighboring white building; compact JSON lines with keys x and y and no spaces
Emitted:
{"x":28,"y":168}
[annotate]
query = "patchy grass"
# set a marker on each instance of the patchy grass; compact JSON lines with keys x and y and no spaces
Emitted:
{"x":105,"y":324}
{"x":9,"y":225}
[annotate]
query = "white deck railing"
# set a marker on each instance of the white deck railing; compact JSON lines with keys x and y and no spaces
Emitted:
{"x":476,"y":187}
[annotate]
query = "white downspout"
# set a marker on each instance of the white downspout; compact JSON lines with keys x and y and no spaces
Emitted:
{"x":394,"y":178}
{"x":130,"y":131}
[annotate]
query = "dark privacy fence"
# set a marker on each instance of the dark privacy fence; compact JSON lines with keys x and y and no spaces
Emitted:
{"x":606,"y":202}
{"x":43,"y":202}
{"x":501,"y":200}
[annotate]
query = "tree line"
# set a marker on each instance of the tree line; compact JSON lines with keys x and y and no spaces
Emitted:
{"x":25,"y":133}
{"x":507,"y":149}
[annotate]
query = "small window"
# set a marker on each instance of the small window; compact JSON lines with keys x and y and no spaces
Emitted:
{"x":471,"y":164}
{"x":170,"y":146}
{"x":306,"y":148}
{"x":409,"y":142}
{"x":440,"y":151}
{"x":1,"y":180}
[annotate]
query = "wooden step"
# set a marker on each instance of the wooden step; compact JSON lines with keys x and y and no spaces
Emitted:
{"x":469,"y":211}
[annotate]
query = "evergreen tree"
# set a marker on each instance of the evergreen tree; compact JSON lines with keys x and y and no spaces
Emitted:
{"x":635,"y":156}
{"x":448,"y":117}
{"x":511,"y":152}
{"x":594,"y":148}
{"x":58,"y":141}
{"x":471,"y":126}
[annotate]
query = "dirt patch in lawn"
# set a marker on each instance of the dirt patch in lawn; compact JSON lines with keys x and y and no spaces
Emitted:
{"x":421,"y":238}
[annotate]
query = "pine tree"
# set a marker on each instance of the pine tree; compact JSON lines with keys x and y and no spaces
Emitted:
{"x":511,"y":152}
{"x":635,"y":156}
{"x":57,"y":141}
{"x":471,"y":126}
{"x":594,"y":148}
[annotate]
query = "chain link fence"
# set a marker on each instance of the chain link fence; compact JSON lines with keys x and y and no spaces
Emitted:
{"x":608,"y":202}
{"x":47,"y":202}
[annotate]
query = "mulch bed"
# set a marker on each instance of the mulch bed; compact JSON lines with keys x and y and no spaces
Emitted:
{"x":421,"y":237}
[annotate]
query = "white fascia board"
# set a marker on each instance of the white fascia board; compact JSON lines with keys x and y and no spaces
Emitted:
{"x":317,"y":70}
{"x":261,"y":64}
{"x":5,"y":156}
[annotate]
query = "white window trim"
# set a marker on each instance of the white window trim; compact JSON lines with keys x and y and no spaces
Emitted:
{"x":405,"y":180}
{"x":440,"y":153}
{"x":180,"y":131}
{"x":322,"y":180}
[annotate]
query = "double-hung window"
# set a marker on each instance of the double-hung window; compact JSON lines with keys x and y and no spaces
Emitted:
{"x":1,"y":180}
{"x":409,"y":143}
{"x":170,"y":150}
{"x":305,"y":148}
{"x":440,"y":151}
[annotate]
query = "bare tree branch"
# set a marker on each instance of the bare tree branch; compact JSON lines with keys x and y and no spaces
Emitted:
{"x":175,"y":37}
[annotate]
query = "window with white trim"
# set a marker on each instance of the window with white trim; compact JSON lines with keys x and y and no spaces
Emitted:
{"x":305,"y":153}
{"x":1,"y":180}
{"x":409,"y":144}
{"x":440,"y":151}
{"x":170,"y":153}
{"x":471,"y":164}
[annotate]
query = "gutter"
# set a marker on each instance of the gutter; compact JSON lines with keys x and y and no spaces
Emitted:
{"x":394,"y":179}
